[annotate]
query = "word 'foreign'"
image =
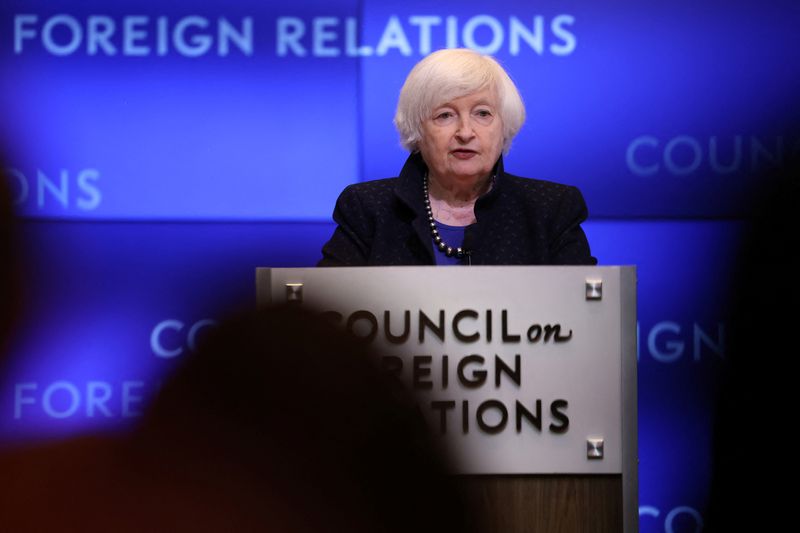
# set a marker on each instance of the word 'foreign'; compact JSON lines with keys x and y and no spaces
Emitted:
{"x":66,"y":399}
{"x":469,"y":370}
{"x":465,"y":326}
{"x":134,"y":35}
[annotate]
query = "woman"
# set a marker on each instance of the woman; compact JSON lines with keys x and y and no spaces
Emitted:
{"x":453,"y":203}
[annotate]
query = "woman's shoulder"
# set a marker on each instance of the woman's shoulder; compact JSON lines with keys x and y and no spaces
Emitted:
{"x":541,"y":192}
{"x":534,"y":185}
{"x":373,"y":186}
{"x":374,"y":195}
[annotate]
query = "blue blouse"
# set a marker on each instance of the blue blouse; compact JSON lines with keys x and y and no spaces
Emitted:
{"x":453,"y":236}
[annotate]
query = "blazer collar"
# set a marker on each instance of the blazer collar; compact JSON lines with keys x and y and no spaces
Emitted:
{"x":409,"y":191}
{"x":409,"y":184}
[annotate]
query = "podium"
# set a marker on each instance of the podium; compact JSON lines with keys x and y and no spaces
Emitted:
{"x":527,"y":373}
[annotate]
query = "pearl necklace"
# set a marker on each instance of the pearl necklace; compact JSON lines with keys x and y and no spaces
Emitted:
{"x":449,"y":251}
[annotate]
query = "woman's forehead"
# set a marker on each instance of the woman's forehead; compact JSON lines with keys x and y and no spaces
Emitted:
{"x":483,"y":96}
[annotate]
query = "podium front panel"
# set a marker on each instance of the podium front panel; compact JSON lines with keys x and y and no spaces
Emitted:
{"x":521,"y":370}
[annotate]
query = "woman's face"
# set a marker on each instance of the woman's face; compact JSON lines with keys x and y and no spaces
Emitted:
{"x":463,"y":138}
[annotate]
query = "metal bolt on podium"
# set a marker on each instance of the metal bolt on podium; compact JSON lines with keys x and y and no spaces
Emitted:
{"x":594,"y":447}
{"x":294,"y":293}
{"x":594,"y":289}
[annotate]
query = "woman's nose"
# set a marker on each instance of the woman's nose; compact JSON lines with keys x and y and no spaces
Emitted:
{"x":465,"y":130}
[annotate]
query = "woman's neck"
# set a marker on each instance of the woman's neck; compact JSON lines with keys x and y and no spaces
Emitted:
{"x":453,"y":203}
{"x":457,"y":193}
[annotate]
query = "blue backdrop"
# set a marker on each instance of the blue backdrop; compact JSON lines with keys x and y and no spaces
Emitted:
{"x":160,"y":152}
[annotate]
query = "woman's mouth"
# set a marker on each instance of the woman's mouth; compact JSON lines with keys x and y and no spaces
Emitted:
{"x":463,"y":153}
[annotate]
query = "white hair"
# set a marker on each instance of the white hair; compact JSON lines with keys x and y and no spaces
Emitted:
{"x":446,"y":75}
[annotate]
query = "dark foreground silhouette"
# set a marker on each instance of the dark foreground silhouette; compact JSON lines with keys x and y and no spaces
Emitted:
{"x":278,"y":423}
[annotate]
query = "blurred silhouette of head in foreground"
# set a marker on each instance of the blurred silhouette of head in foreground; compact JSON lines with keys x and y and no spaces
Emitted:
{"x":10,"y":260}
{"x":280,"y":422}
{"x":757,"y":401}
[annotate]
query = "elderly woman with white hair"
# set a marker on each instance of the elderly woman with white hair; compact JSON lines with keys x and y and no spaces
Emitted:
{"x":453,"y":202}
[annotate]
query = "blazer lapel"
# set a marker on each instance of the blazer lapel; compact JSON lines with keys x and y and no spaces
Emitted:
{"x":409,"y":191}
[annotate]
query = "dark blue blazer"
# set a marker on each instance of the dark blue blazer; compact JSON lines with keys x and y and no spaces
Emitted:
{"x":520,"y":221}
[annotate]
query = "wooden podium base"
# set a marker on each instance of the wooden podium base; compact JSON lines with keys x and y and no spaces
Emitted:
{"x":546,"y":503}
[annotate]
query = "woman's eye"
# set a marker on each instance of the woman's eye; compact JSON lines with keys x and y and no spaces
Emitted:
{"x":484,"y":113}
{"x":443,"y":117}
